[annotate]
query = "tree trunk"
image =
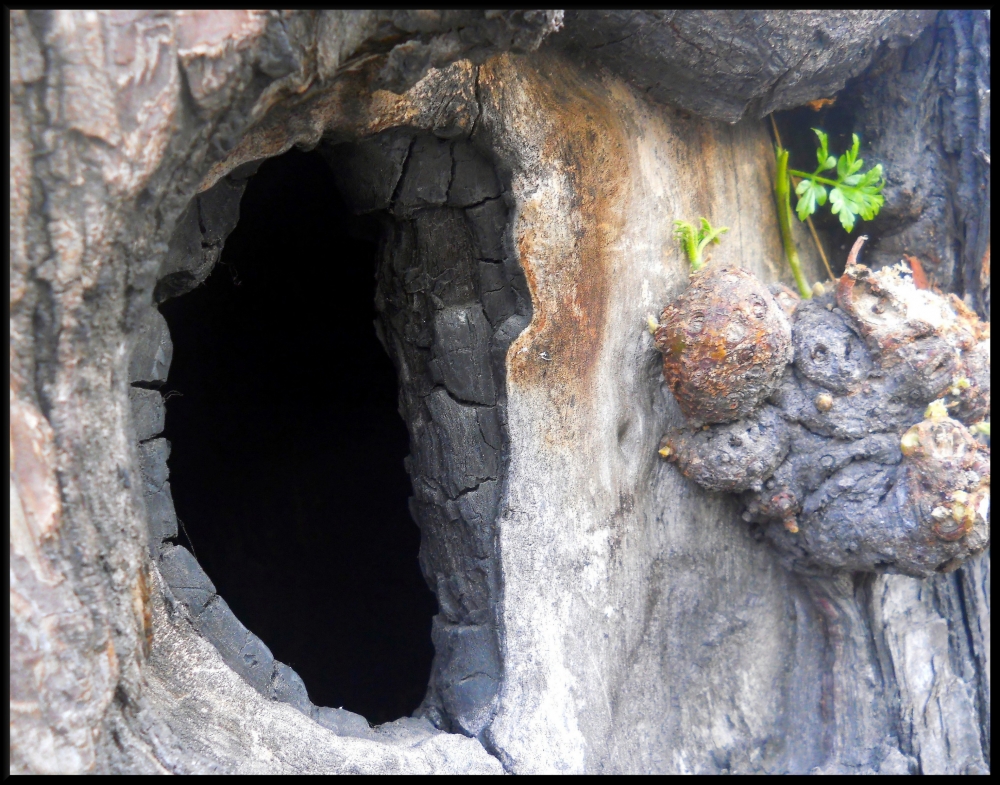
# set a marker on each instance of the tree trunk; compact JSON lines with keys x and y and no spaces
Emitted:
{"x":597,"y":611}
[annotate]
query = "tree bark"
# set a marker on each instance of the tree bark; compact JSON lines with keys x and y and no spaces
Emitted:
{"x":598,"y":612}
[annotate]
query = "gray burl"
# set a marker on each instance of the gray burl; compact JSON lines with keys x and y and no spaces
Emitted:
{"x":869,"y":472}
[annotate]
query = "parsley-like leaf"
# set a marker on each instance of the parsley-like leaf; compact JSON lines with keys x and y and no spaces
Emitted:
{"x":810,"y":195}
{"x":854,"y":193}
{"x":826,"y":161}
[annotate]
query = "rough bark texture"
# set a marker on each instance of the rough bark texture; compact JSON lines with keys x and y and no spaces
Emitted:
{"x":117,"y":119}
{"x":451,"y":298}
{"x":726,"y":65}
{"x":924,"y":111}
{"x":854,"y":465}
{"x":598,"y":611}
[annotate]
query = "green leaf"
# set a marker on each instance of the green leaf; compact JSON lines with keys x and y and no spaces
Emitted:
{"x":810,"y":194}
{"x":820,"y":192}
{"x":854,"y":193}
{"x":685,"y":233}
{"x":843,"y":166}
{"x":872,"y":178}
{"x":848,"y":163}
{"x":806,"y":205}
{"x":841,"y":206}
{"x":823,"y":154}
{"x":871,"y":204}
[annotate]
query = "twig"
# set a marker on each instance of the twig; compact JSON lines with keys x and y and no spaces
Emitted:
{"x":819,"y":247}
{"x":852,"y":257}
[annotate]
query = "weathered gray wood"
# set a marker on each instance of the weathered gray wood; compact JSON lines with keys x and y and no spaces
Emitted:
{"x":622,"y":619}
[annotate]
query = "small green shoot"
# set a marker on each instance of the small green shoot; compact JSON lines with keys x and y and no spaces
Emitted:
{"x":696,"y":239}
{"x":782,"y":193}
{"x":852,"y":195}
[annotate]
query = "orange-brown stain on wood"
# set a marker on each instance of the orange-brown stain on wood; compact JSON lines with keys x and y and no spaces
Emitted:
{"x":143,"y":611}
{"x":821,"y":103}
{"x":584,"y":145}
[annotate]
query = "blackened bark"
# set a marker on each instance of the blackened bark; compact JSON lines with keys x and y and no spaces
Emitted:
{"x":450,"y":300}
{"x":923,"y":112}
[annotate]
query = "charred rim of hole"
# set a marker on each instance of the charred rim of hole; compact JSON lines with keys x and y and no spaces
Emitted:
{"x":278,"y":393}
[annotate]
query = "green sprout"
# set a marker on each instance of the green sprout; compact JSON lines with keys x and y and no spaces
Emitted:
{"x":696,"y":239}
{"x":852,"y":195}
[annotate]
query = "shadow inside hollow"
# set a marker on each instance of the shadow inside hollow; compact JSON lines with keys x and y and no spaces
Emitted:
{"x":287,"y":447}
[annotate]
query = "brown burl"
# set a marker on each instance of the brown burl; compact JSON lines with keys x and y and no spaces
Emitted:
{"x":844,"y":425}
{"x":725,"y":344}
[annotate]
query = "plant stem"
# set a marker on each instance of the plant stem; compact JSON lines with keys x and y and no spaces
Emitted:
{"x":694,"y":254}
{"x":809,"y":221}
{"x":819,"y":247}
{"x":816,"y":177}
{"x":782,"y":193}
